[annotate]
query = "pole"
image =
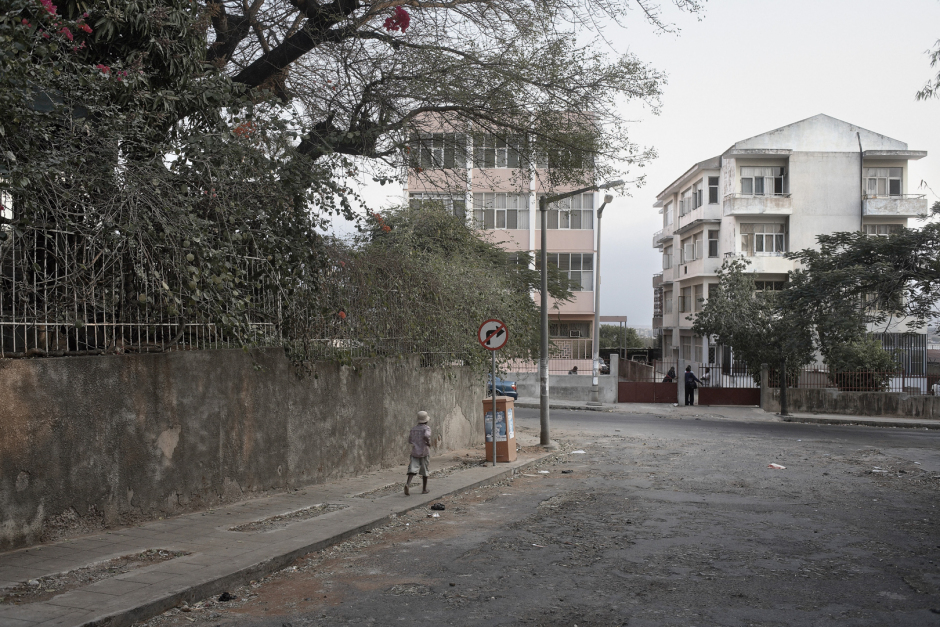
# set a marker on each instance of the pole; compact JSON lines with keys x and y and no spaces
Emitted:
{"x":544,"y":437}
{"x":494,"y":409}
{"x":783,"y":387}
{"x":595,"y":391}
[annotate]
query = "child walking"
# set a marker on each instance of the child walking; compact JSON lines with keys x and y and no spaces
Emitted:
{"x":420,"y":440}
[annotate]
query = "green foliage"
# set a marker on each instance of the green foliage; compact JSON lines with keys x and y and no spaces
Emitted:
{"x":613,"y":336}
{"x":419,"y":281}
{"x":756,"y":325}
{"x":854,"y":279}
{"x":861,"y":365}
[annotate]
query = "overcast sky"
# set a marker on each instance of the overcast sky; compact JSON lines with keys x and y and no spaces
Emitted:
{"x":750,"y":66}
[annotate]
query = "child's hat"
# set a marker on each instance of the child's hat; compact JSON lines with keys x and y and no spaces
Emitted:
{"x":423,"y":417}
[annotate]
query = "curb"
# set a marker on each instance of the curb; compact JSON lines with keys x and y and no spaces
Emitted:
{"x":900,"y":424}
{"x":571,"y":407}
{"x":125,"y":618}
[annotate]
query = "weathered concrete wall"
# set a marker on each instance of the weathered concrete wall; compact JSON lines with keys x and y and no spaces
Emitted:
{"x":568,"y":387}
{"x":92,"y":441}
{"x":832,"y":401}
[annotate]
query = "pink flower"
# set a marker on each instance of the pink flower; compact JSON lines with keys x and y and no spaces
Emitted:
{"x":104,"y":68}
{"x":86,"y":28}
{"x":26,"y":23}
{"x":65,"y":31}
{"x":48,"y":6}
{"x":400,"y":20}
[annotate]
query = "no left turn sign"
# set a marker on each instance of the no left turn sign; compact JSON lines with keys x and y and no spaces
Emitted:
{"x":492,"y":335}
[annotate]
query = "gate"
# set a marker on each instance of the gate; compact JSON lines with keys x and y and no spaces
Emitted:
{"x":647,"y":392}
{"x":725,"y":386}
{"x":642,"y":383}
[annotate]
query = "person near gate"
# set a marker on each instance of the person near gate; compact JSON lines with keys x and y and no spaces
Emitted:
{"x":691,"y":382}
{"x":420,"y":439}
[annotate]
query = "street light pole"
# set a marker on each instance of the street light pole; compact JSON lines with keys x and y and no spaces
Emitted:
{"x":545,"y":436}
{"x":595,"y":392}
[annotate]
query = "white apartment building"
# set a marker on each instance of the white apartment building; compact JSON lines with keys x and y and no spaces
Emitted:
{"x":767,"y":195}
{"x":482,"y":178}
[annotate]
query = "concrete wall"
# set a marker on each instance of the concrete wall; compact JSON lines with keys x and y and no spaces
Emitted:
{"x":568,"y":387}
{"x":87,"y":442}
{"x":832,"y":401}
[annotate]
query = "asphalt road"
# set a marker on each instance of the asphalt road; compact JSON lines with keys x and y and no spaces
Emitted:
{"x":660,"y":521}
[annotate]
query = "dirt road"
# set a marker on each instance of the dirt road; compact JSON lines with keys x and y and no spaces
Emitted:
{"x":659,"y":521}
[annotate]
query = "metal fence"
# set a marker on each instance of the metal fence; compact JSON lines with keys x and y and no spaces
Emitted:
{"x":898,"y":380}
{"x":712,"y":375}
{"x":64,"y":293}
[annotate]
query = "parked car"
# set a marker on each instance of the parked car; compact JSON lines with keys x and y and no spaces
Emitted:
{"x":503,"y":388}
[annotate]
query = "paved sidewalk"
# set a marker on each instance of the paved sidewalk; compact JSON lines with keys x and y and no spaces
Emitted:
{"x":732,"y":412}
{"x":218,"y":558}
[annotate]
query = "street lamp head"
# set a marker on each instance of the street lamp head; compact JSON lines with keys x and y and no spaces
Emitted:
{"x":608,"y":198}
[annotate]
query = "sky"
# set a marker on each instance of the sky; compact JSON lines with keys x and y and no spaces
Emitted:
{"x":745,"y":67}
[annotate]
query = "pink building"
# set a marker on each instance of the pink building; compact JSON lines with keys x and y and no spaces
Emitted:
{"x":484,"y":179}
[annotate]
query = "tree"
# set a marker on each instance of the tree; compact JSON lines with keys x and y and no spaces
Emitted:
{"x":855,"y":279}
{"x":418,"y":281}
{"x":757,"y":326}
{"x":613,"y":336}
{"x":363,"y":76}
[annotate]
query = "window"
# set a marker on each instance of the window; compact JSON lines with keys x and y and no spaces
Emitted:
{"x":685,"y":202}
{"x":451,"y":203}
{"x":685,"y":300}
{"x":712,"y":190}
{"x":698,"y":243}
{"x":576,"y":212}
{"x":769,"y":286}
{"x":697,"y":195}
{"x":763,"y":239}
{"x":579,"y":267}
{"x":667,"y":258}
{"x":764,"y":181}
{"x":434,"y":151}
{"x":667,"y":301}
{"x":699,"y":300}
{"x":685,"y":251}
{"x":490,"y":151}
{"x":697,"y":347}
{"x":883,"y":229}
{"x":686,"y":347}
{"x":667,"y":211}
{"x":883,"y":181}
{"x":713,"y":243}
{"x":569,"y":329}
{"x":500,"y":211}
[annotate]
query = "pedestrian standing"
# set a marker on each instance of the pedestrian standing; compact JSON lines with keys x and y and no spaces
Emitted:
{"x":690,"y":385}
{"x":420,"y":440}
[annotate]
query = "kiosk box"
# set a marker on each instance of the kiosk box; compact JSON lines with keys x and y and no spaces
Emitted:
{"x":505,"y":432}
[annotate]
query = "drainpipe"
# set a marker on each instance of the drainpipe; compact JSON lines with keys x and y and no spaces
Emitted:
{"x":861,"y":184}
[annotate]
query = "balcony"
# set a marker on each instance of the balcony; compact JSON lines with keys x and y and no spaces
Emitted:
{"x":660,"y":236}
{"x":902,"y":206}
{"x":750,"y":205}
{"x":657,"y":279}
{"x":770,"y":263}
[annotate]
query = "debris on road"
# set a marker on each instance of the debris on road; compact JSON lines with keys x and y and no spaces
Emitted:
{"x":439,"y":507}
{"x":776,"y":466}
{"x":579,"y":452}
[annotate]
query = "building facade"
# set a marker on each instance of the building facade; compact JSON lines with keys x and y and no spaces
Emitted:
{"x":483,"y":179}
{"x":765,"y":196}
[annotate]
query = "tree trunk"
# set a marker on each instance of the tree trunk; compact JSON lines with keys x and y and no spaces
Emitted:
{"x":783,"y":387}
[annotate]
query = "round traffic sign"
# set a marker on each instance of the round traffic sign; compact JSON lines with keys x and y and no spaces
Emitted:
{"x":492,"y":335}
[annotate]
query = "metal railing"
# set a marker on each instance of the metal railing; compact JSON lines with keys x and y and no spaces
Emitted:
{"x":70,"y":294}
{"x":861,"y":380}
{"x":898,"y":196}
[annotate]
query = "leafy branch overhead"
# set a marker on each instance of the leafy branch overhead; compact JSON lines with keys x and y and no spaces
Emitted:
{"x":361,"y":77}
